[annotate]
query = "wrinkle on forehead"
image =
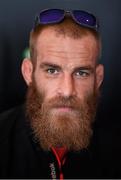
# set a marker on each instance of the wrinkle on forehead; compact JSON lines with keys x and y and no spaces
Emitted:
{"x":66,"y":47}
{"x":65,"y":55}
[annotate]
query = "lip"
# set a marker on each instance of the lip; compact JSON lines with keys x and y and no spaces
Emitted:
{"x":64,"y":109}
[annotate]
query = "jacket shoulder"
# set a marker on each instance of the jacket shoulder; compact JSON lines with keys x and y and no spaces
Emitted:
{"x":7,"y":120}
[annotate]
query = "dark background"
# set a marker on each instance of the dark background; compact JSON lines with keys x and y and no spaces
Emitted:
{"x":16,"y":21}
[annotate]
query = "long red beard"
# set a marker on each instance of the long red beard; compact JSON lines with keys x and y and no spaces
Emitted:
{"x":71,"y":130}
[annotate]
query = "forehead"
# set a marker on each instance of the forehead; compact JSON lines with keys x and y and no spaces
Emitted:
{"x":49,"y":44}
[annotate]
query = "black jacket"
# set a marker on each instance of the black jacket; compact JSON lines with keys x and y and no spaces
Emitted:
{"x":21,"y":157}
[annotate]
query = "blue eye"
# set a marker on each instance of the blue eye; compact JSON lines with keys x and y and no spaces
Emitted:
{"x":52,"y":71}
{"x":82,"y":73}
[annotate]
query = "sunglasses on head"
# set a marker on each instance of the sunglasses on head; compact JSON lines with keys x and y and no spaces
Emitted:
{"x":53,"y":16}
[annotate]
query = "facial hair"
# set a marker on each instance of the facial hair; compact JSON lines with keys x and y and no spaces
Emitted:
{"x":72,"y":129}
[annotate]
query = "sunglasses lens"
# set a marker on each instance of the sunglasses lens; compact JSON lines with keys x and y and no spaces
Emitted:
{"x":51,"y":16}
{"x":84,"y":18}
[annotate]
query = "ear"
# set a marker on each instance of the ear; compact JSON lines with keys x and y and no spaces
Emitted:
{"x":99,"y":75}
{"x":27,"y":69}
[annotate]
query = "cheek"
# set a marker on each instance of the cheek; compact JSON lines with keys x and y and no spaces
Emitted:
{"x":85,"y":87}
{"x":50,"y":90}
{"x":48,"y":87}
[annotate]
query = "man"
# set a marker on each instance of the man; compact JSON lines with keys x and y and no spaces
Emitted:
{"x":49,"y":136}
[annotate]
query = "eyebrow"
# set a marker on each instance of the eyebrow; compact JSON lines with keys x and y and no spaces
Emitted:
{"x":47,"y":64}
{"x":88,"y":68}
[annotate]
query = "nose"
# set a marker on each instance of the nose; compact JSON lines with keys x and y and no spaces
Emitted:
{"x":67,"y":86}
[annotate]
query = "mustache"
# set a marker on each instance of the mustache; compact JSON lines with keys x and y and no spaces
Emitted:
{"x":70,"y":102}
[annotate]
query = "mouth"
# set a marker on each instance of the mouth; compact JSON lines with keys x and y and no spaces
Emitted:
{"x":64,"y":108}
